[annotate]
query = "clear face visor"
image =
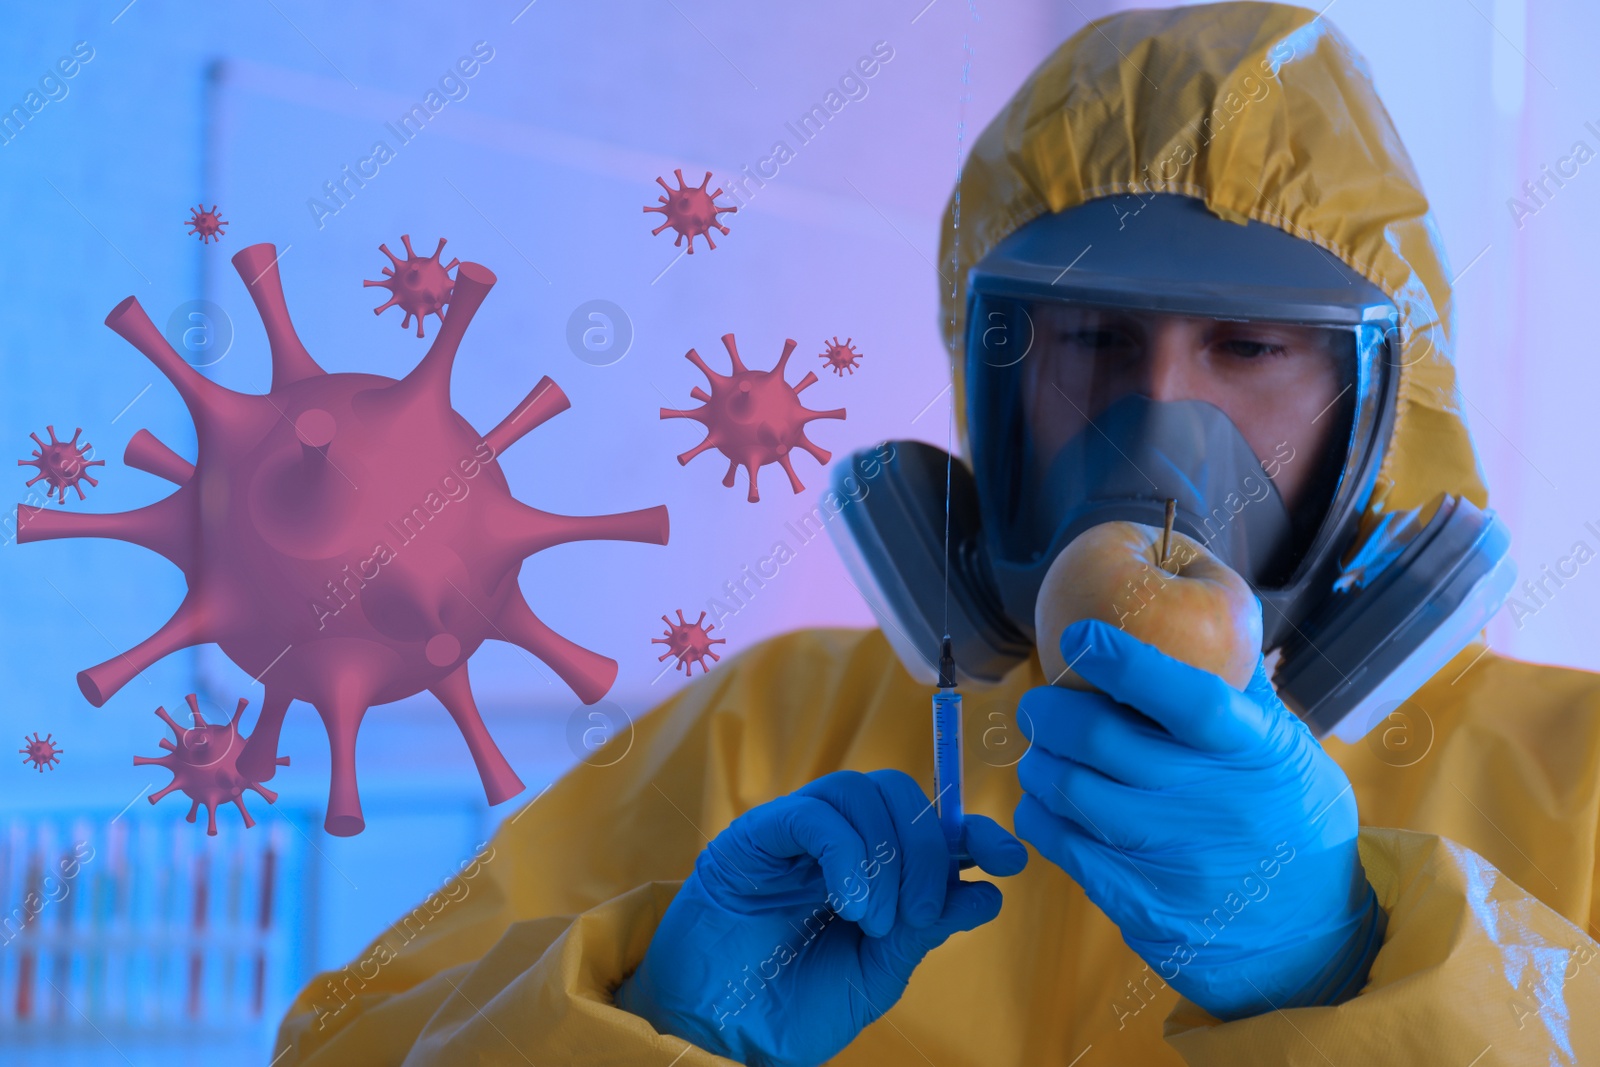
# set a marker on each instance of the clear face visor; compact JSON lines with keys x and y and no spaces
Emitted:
{"x":1075,"y":407}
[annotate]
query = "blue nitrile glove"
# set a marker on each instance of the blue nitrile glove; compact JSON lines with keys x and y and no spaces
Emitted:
{"x":803,"y":920}
{"x":1206,"y":822}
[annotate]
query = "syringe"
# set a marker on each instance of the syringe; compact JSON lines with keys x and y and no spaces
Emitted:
{"x":948,"y":778}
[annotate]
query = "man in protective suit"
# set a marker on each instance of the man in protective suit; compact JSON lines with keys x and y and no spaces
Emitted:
{"x":762,"y":877}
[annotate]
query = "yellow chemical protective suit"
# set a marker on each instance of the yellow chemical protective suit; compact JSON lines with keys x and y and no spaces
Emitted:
{"x":1482,"y":849}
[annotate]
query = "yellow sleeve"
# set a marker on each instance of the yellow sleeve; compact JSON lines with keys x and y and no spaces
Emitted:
{"x":542,"y":994}
{"x":1473,"y":970}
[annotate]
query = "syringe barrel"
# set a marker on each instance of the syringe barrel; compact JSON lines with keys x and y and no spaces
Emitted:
{"x":947,"y":766}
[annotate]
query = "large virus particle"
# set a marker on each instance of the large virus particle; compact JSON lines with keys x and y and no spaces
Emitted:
{"x":690,"y":641}
{"x":347,"y":539}
{"x":753,"y":417}
{"x":690,"y":210}
{"x":420,"y":285}
{"x":840,"y":357}
{"x":205,"y":764}
{"x":62,"y":464}
{"x":40,"y":753}
{"x":206,"y":225}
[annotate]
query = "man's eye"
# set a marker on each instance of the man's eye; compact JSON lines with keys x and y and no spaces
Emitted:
{"x":1253,"y":349}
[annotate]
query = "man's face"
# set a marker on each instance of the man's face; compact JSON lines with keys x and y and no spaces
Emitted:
{"x":1277,"y":383}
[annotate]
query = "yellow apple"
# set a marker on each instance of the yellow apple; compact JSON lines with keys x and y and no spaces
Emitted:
{"x":1195,"y":609}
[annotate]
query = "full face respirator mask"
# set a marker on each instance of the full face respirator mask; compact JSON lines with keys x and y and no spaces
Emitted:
{"x":1066,"y":435}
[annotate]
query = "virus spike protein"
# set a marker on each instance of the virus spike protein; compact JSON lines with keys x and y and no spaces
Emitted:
{"x":840,"y":357}
{"x":318,"y":545}
{"x":419,"y":285}
{"x":690,"y":641}
{"x":259,"y":760}
{"x":753,"y":417}
{"x":689,"y":210}
{"x":258,"y":266}
{"x":206,"y":225}
{"x":62,"y":464}
{"x":500,"y":782}
{"x":145,"y":452}
{"x":588,"y":673}
{"x":40,"y":753}
{"x":204,"y":764}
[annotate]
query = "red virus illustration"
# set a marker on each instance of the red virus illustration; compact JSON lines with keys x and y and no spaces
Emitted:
{"x":420,"y":285}
{"x":347,"y":538}
{"x":205,"y":764}
{"x":841,"y":357}
{"x":689,"y":641}
{"x":753,"y":417}
{"x":206,"y":225}
{"x":689,"y":210}
{"x":61,"y":464}
{"x":41,"y":754}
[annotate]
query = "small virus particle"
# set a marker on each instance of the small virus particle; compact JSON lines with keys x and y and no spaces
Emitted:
{"x":689,"y":641}
{"x":420,"y":285}
{"x":753,"y":417}
{"x":61,"y":464}
{"x":206,"y":225}
{"x":690,"y":210}
{"x":41,"y":754}
{"x":205,"y":764}
{"x":841,"y":357}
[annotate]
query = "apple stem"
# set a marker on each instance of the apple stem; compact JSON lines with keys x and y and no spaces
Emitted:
{"x":1166,"y":532}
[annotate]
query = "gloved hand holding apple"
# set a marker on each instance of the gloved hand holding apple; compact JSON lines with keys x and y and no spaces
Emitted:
{"x":1172,"y":784}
